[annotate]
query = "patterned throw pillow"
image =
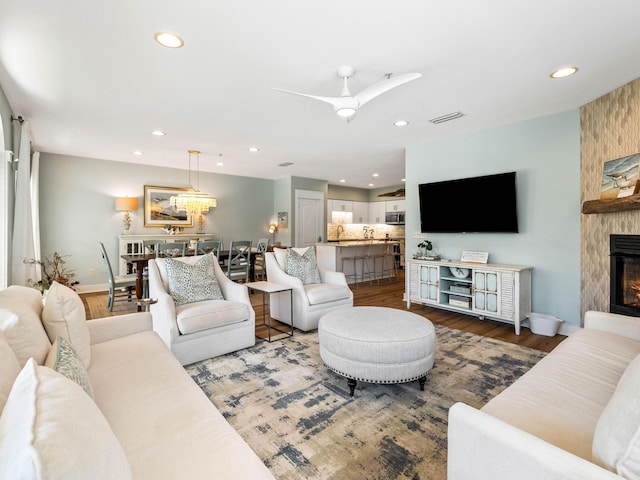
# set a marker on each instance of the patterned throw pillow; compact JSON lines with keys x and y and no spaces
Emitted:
{"x":64,"y":359}
{"x":303,"y":266}
{"x":195,"y":282}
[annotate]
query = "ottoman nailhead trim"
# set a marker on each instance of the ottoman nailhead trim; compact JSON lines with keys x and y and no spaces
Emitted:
{"x":411,"y":379}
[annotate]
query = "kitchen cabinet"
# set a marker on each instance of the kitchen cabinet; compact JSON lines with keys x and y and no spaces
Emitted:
{"x":360,"y":212}
{"x":377,"y":211}
{"x":341,"y":205}
{"x":396,"y":205}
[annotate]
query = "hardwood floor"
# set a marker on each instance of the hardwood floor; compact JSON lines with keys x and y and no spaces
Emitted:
{"x":384,"y":295}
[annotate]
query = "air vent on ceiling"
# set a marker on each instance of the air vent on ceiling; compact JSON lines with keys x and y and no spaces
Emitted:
{"x":446,"y":118}
{"x":285,"y":164}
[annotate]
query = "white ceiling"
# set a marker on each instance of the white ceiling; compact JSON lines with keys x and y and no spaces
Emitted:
{"x":92,"y":82}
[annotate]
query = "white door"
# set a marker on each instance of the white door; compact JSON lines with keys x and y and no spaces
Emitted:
{"x":310,"y":226}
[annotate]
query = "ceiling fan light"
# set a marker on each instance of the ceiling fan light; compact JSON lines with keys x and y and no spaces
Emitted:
{"x":346,"y":112}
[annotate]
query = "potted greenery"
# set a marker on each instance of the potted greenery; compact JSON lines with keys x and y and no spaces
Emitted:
{"x":426,"y":247}
{"x":53,"y":268}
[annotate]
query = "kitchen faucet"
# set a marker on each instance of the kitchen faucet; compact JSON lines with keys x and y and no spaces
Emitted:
{"x":340,"y":229}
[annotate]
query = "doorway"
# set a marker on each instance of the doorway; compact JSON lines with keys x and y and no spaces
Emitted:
{"x":309,"y":223}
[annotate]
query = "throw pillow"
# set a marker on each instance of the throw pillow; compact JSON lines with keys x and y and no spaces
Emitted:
{"x":195,"y":282}
{"x":20,"y":320}
{"x":9,"y":369}
{"x":303,"y":266}
{"x":51,"y":429}
{"x":64,"y":315}
{"x":64,"y":359}
{"x":616,"y":441}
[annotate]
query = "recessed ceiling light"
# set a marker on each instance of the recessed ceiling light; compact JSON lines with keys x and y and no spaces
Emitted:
{"x":220,"y":164}
{"x":254,"y":149}
{"x":564,"y":72}
{"x":371,"y":184}
{"x":342,"y":180}
{"x":138,"y":152}
{"x":168,"y":39}
{"x":158,"y":133}
{"x":403,"y":179}
{"x":401,"y":123}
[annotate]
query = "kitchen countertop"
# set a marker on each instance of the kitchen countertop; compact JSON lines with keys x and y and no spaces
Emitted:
{"x":353,"y":243}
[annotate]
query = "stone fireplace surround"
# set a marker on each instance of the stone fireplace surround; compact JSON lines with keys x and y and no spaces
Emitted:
{"x":610,"y":127}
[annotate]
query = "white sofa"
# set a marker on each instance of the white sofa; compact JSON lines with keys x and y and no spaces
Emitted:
{"x":147,"y":418}
{"x":574,"y":415}
{"x":310,"y":301}
{"x":204,"y":329}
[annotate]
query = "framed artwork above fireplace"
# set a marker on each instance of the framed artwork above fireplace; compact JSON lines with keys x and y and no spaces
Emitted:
{"x":620,"y":177}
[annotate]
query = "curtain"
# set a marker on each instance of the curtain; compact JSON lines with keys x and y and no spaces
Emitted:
{"x":23,"y":245}
{"x":5,"y":159}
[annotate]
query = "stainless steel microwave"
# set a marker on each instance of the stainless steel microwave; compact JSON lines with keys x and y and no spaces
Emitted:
{"x":394,"y":218}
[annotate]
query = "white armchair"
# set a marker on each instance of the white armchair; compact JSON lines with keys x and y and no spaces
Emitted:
{"x":310,"y":302}
{"x":204,"y":329}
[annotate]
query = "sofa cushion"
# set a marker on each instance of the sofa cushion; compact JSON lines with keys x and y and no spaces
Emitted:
{"x":20,"y":311}
{"x":183,"y":436}
{"x":65,"y":360}
{"x":64,"y":315}
{"x":582,"y":372}
{"x":51,"y":429}
{"x":195,"y":317}
{"x":303,"y":265}
{"x":326,"y":292}
{"x":9,"y":370}
{"x":189,"y":283}
{"x":616,"y":442}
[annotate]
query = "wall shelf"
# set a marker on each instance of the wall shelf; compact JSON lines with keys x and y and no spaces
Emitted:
{"x":631,"y":202}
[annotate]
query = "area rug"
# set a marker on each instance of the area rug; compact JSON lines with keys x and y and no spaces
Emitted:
{"x":300,"y":420}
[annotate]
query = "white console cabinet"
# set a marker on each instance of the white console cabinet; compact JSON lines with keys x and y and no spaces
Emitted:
{"x":500,"y":292}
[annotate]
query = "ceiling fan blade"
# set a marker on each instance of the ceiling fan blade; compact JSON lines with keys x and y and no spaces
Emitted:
{"x":379,"y":88}
{"x":330,"y":100}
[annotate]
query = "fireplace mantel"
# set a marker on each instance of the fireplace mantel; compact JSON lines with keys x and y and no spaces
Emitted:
{"x":631,"y":202}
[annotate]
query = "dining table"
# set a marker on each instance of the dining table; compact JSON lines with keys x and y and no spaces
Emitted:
{"x":141,"y":262}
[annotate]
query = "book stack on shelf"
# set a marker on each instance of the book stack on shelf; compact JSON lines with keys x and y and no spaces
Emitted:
{"x":458,"y":301}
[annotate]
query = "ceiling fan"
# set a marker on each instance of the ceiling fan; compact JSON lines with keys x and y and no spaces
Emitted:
{"x":347,"y":105}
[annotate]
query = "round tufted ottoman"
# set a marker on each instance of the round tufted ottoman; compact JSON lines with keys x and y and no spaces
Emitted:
{"x":377,"y":345}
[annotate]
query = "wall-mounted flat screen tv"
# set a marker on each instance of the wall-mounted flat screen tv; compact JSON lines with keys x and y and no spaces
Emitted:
{"x":470,"y":205}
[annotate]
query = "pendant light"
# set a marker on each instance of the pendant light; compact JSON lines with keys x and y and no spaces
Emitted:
{"x":193,"y":201}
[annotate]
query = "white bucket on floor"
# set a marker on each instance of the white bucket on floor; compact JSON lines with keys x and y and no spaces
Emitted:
{"x":542,"y":324}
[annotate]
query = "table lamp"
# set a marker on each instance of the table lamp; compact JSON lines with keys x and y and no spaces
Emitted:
{"x":273,"y":228}
{"x":126,"y":204}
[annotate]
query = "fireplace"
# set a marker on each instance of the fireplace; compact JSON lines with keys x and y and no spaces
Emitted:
{"x":625,"y":275}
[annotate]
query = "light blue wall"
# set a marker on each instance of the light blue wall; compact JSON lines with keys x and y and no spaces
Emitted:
{"x":77,"y":207}
{"x":545,"y":153}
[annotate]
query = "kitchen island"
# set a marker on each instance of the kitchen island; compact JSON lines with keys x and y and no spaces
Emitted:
{"x":331,"y":257}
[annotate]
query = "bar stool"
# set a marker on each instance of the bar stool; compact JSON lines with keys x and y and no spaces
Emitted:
{"x":389,"y":262}
{"x":359,"y":256}
{"x":376,"y":258}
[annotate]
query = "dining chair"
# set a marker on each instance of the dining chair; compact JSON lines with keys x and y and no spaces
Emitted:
{"x":120,"y":286}
{"x":239,"y":260}
{"x":150,"y":246}
{"x":259,"y":269}
{"x":208,"y":246}
{"x":171,"y":250}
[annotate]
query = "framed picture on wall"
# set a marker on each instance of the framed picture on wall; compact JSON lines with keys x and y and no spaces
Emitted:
{"x":158,"y":211}
{"x":283,"y":221}
{"x":620,"y":177}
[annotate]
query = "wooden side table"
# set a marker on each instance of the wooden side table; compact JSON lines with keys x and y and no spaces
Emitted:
{"x":267,"y":288}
